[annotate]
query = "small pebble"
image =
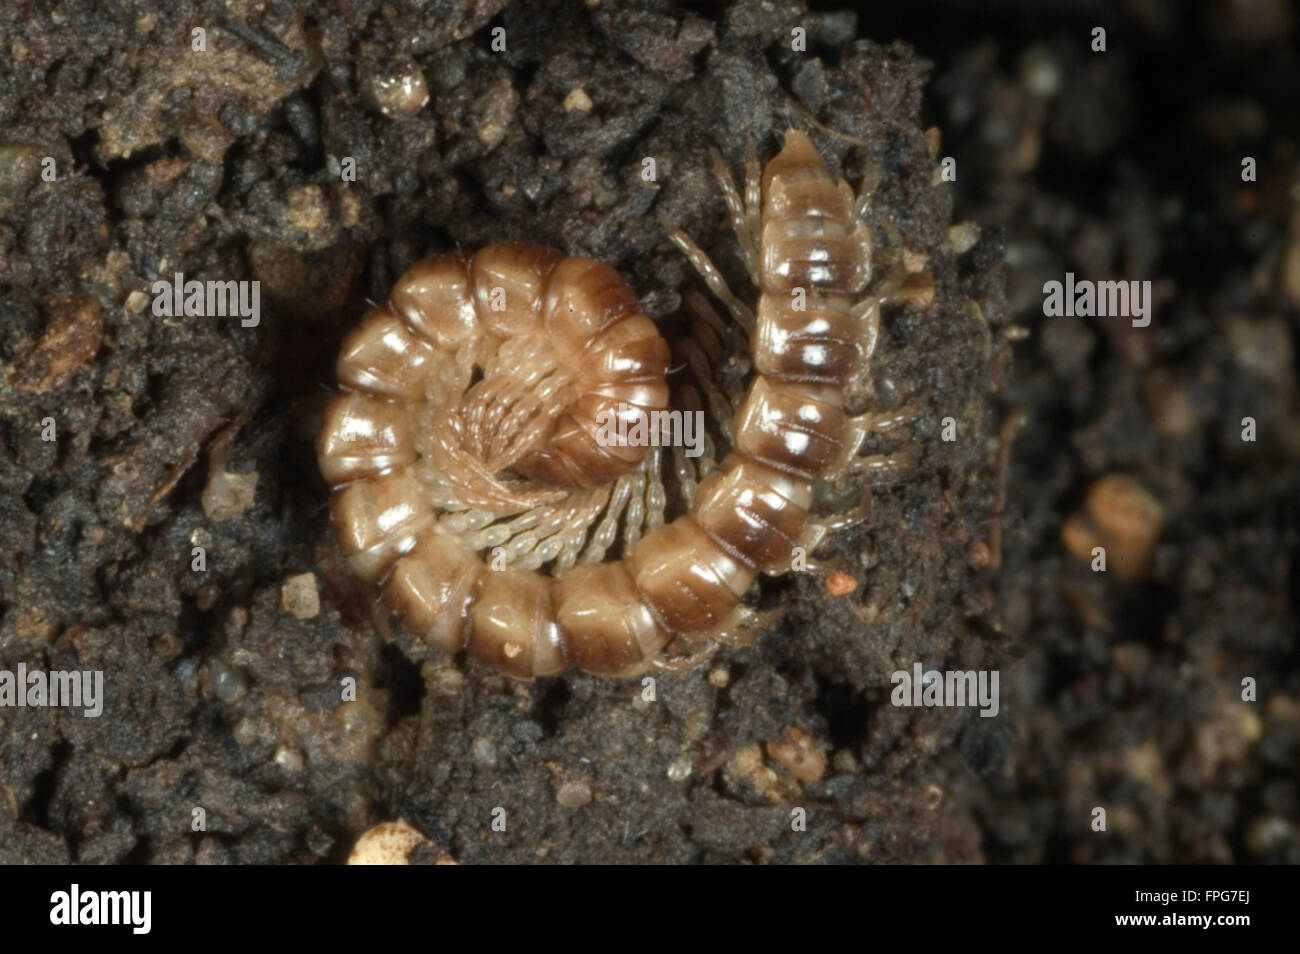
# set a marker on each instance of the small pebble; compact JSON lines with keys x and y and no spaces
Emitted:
{"x":137,"y":301}
{"x":746,"y":771}
{"x":356,"y":718}
{"x":495,"y":110}
{"x":299,"y":597}
{"x":247,"y":732}
{"x":307,"y":208}
{"x":226,"y":494}
{"x":226,"y":682}
{"x":389,"y":843}
{"x":289,"y":759}
{"x":840,"y":584}
{"x":577,"y":100}
{"x":963,"y":237}
{"x":484,"y":751}
{"x":573,"y":794}
{"x":399,"y":92}
{"x":797,"y":752}
{"x":1122,"y":516}
{"x":679,"y":770}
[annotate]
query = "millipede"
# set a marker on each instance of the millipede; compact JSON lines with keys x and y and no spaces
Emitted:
{"x":464,"y":449}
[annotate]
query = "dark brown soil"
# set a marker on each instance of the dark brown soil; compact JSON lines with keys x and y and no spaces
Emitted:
{"x":1120,"y":690}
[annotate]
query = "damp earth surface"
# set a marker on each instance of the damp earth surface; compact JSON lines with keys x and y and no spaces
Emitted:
{"x":260,"y":709}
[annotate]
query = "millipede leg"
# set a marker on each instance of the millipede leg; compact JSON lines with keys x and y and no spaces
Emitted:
{"x":709,"y":272}
{"x":825,"y":566}
{"x":674,"y":665}
{"x":868,"y":312}
{"x":871,"y":180}
{"x":837,"y":523}
{"x":822,"y":566}
{"x":801,"y":555}
{"x":855,"y":432}
{"x":719,"y":406}
{"x":902,"y":286}
{"x":883,"y":465}
{"x":744,"y":624}
{"x":743,"y":220}
{"x":884,"y":421}
{"x":700,"y":308}
{"x":754,"y":201}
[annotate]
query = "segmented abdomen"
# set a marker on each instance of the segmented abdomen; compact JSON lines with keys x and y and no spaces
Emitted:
{"x":477,"y":394}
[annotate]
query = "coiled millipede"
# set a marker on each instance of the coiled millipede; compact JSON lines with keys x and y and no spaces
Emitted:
{"x":470,"y":478}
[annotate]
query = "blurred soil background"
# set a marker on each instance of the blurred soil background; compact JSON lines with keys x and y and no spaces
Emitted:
{"x":1120,"y":690}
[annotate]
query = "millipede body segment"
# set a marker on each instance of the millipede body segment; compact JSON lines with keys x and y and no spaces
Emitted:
{"x":473,"y":479}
